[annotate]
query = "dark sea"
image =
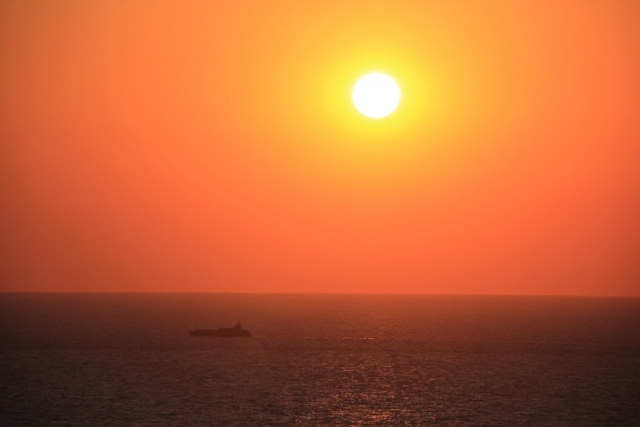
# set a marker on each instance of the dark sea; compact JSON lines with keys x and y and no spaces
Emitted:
{"x":318,"y":360}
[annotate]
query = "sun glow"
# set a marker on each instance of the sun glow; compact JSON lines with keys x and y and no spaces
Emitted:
{"x":376,"y":95}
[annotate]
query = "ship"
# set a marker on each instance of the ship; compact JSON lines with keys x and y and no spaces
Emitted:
{"x":235,"y":331}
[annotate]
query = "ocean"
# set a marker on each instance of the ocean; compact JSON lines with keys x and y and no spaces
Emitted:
{"x":319,"y":360}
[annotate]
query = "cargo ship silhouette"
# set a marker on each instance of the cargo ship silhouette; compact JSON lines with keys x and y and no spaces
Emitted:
{"x":235,"y":331}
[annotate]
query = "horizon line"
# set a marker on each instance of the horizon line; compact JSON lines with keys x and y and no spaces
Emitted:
{"x":326,"y":293}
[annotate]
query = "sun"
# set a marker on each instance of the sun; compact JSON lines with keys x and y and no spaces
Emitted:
{"x":376,"y":95}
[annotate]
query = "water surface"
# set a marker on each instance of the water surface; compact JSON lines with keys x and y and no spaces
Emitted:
{"x":127,"y":359}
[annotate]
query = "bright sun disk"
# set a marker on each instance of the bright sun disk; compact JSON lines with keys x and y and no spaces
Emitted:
{"x":376,"y":95}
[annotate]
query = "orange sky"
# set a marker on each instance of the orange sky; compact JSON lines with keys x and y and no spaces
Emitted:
{"x":213,"y":146}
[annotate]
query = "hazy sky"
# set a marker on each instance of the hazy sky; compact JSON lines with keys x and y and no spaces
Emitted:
{"x":213,"y":146}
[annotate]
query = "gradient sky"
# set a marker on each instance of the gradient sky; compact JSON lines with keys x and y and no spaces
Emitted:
{"x":213,"y":146}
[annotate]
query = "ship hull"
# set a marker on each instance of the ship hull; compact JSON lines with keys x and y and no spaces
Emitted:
{"x":221,"y":332}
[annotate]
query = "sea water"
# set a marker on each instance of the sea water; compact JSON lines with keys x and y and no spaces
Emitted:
{"x":318,"y":360}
